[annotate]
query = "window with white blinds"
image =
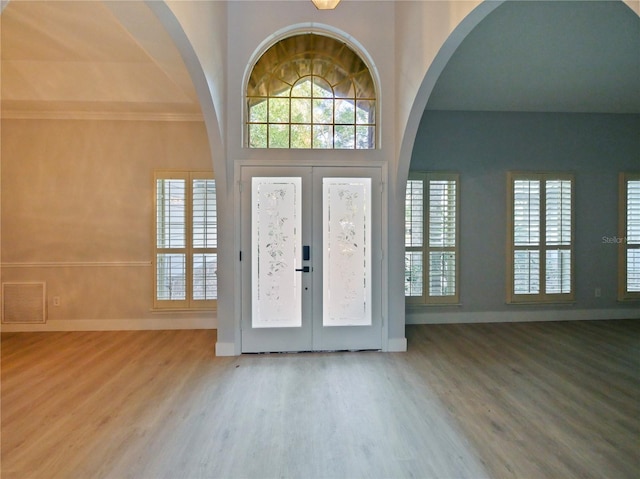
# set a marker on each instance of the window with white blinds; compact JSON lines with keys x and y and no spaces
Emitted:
{"x":186,"y":258}
{"x":540,"y":237}
{"x":629,"y":237}
{"x":431,"y":238}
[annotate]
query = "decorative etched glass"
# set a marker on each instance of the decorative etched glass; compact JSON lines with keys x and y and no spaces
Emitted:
{"x":276,"y":245}
{"x":347,"y":251}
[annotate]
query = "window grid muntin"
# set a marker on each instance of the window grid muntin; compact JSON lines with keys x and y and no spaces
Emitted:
{"x":531,"y":277}
{"x":346,"y":86}
{"x":364,"y":132}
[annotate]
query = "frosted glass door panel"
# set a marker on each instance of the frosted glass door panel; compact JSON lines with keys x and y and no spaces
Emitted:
{"x":311,"y":258}
{"x":276,"y":212}
{"x":347,"y":251}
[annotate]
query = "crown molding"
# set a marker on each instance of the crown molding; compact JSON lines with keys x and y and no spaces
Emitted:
{"x":76,"y":264}
{"x":99,"y":116}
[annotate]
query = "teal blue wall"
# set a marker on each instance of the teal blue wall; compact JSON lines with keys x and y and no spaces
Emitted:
{"x":484,"y":146}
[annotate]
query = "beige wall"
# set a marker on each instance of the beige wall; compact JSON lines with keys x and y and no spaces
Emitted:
{"x":77,"y":213}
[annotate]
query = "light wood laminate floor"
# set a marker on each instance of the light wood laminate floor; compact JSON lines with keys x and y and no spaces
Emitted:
{"x":525,"y":400}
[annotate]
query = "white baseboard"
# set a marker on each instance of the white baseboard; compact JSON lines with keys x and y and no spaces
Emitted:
{"x":397,"y":345}
{"x":208,"y":322}
{"x":226,"y":349}
{"x":430,"y":317}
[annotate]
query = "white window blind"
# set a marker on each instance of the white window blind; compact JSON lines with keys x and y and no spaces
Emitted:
{"x":204,"y":240}
{"x":442,"y":236}
{"x":558,"y":229}
{"x":526,"y":233}
{"x":186,"y":240}
{"x":540,"y":237}
{"x":414,"y":238}
{"x":629,"y":237}
{"x":171,"y":235}
{"x":431,"y":233}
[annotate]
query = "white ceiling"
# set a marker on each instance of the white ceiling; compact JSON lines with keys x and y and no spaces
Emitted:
{"x":91,"y":56}
{"x":115,"y":57}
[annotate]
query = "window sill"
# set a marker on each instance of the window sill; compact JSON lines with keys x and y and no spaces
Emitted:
{"x":182,"y":310}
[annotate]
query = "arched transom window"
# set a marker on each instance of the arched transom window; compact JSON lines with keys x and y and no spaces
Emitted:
{"x":311,"y":91}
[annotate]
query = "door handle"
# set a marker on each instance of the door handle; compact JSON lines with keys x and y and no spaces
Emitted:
{"x":304,"y":269}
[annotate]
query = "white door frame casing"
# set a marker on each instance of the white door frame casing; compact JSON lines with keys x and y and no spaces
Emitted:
{"x":236,"y":347}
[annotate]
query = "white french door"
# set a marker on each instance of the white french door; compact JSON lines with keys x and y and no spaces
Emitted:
{"x":311,"y":258}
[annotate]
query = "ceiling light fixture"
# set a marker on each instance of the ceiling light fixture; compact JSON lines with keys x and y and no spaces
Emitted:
{"x":325,"y":4}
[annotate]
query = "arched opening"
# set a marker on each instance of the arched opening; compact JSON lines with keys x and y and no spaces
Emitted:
{"x":539,"y":87}
{"x":311,"y":91}
{"x":96,"y":98}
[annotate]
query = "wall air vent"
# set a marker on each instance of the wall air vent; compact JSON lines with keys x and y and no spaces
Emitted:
{"x":24,"y":302}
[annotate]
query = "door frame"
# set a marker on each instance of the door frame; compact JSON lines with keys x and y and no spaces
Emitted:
{"x":384,"y":234}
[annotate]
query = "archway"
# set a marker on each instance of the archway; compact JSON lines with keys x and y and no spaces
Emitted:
{"x":211,"y":103}
{"x":552,"y":77}
{"x":431,"y":77}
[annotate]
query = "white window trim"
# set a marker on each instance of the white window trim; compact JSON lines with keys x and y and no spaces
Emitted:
{"x":542,"y":297}
{"x":622,"y":239}
{"x":425,"y":249}
{"x":188,"y":304}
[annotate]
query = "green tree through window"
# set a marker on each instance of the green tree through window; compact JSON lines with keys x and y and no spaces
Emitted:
{"x":311,"y":91}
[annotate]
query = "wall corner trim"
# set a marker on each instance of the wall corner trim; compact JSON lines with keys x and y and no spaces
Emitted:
{"x":225,"y":349}
{"x":397,"y":345}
